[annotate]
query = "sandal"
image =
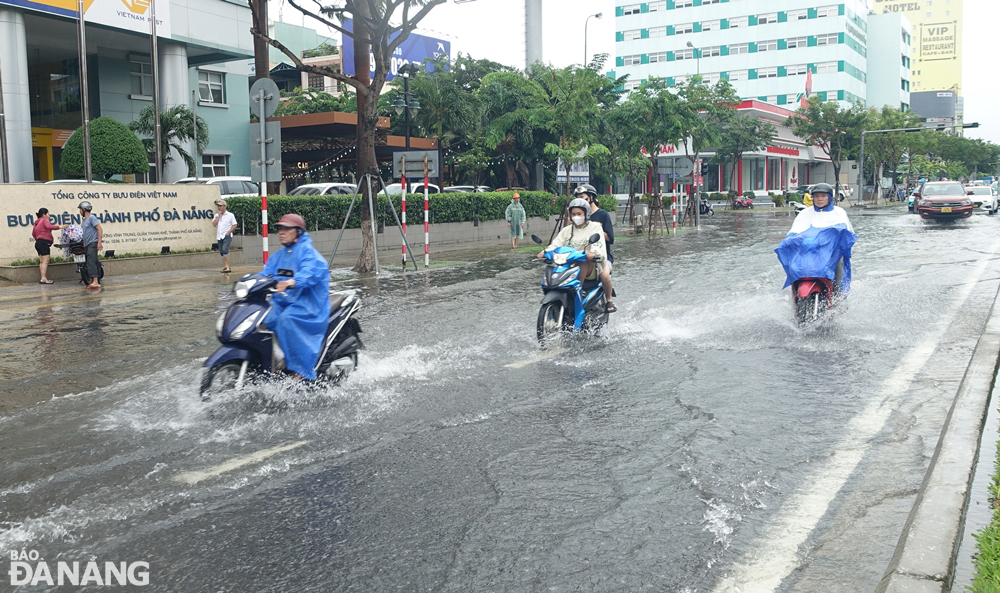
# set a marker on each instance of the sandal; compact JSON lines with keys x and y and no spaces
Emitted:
{"x":44,"y":282}
{"x":227,"y":271}
{"x":610,"y":308}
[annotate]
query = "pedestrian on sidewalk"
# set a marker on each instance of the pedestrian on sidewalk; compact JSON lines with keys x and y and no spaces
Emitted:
{"x":93,"y":241}
{"x":224,"y":223}
{"x":516,"y":218}
{"x":42,"y":234}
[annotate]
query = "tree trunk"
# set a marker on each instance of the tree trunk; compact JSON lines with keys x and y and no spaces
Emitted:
{"x":367,"y":162}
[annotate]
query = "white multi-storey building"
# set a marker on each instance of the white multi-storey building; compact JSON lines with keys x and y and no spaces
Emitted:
{"x":889,"y":37}
{"x":763,"y":47}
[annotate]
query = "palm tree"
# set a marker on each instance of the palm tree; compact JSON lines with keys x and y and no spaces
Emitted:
{"x":176,"y":131}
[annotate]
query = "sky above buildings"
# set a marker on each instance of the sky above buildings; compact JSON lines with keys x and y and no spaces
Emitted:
{"x":494,"y":29}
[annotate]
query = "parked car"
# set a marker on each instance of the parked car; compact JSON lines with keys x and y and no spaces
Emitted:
{"x":415,"y":188}
{"x":73,"y":181}
{"x":229,"y":186}
{"x":510,"y":189}
{"x":983,"y":198}
{"x":943,"y":200}
{"x":466,"y":188}
{"x":324,"y":189}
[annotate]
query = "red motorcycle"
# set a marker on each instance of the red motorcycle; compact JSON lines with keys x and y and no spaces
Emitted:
{"x":741,"y":202}
{"x":813,"y":297}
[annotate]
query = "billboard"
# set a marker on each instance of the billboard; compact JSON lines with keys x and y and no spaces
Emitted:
{"x":131,"y":15}
{"x":414,"y":49}
{"x":936,"y":58}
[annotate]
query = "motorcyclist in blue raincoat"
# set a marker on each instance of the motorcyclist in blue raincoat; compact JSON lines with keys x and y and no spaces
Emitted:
{"x":819,"y":243}
{"x":300,"y":310}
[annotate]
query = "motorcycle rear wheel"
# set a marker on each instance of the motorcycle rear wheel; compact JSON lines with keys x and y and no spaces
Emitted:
{"x":551,"y":317}
{"x":219,"y":379}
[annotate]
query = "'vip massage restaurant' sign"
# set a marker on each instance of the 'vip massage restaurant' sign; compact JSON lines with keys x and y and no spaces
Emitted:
{"x":135,"y":218}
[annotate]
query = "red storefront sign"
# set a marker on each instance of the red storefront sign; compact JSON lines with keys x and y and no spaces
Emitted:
{"x":785,"y":151}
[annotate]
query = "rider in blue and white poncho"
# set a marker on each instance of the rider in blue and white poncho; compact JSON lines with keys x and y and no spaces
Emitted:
{"x":819,"y":243}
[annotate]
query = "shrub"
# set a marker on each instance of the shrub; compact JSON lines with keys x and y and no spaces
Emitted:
{"x":749,"y":194}
{"x":327,"y":212}
{"x":778,"y":199}
{"x":114,"y":150}
{"x":793,"y":197}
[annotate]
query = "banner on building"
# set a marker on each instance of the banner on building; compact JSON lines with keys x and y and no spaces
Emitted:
{"x":135,"y":218}
{"x":579,"y":172}
{"x":414,"y":49}
{"x":131,"y":15}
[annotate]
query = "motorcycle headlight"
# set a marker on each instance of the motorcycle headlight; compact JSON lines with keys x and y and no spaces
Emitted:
{"x":244,"y":325}
{"x":242,"y":288}
{"x":219,"y":323}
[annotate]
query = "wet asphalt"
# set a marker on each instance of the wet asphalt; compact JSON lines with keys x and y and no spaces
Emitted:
{"x":703,"y":443}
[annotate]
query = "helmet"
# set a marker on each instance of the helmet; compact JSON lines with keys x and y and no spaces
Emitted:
{"x":85,"y":206}
{"x":579,"y":203}
{"x":291,"y":221}
{"x":822,"y":188}
{"x":586,"y":188}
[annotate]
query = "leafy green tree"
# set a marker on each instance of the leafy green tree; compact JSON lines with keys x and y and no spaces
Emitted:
{"x":885,"y":152}
{"x":509,"y":101}
{"x":833,"y":128}
{"x":741,"y":134}
{"x":621,"y":131}
{"x":177,"y":130}
{"x":310,"y":100}
{"x":114,"y":150}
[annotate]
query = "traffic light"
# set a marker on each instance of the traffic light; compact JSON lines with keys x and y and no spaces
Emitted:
{"x":705,"y":167}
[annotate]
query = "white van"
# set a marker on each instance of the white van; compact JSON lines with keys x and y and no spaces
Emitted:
{"x":229,"y":186}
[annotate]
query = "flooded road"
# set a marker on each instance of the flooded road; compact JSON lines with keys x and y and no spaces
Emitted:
{"x":704,"y":443}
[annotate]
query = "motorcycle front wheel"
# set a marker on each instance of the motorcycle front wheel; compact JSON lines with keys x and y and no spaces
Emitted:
{"x":808,"y":309}
{"x":219,"y":379}
{"x":550,"y":321}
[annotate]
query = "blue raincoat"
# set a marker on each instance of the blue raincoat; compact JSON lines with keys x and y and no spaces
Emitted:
{"x":299,"y":316}
{"x":815,"y":245}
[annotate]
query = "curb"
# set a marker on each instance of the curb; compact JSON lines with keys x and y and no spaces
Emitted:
{"x":926,"y":554}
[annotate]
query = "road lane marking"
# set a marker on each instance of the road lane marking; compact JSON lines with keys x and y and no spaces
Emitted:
{"x":235,"y":463}
{"x":537,"y":357}
{"x":776,"y":556}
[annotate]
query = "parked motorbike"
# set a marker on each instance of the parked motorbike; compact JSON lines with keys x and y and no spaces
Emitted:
{"x":704,"y":208}
{"x":569,"y":303}
{"x":250,"y":350}
{"x":79,"y":253}
{"x":741,"y":202}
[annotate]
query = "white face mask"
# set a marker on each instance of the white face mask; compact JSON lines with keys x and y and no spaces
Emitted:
{"x":578,"y":220}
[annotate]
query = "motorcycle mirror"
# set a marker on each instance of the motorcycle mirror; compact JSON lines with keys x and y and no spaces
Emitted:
{"x":594,"y":238}
{"x":536,"y":239}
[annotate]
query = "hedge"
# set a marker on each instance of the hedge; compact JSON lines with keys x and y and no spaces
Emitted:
{"x":327,"y":212}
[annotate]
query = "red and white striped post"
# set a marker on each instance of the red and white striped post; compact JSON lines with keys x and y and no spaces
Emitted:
{"x":402,"y":180}
{"x":673,"y":213}
{"x":427,"y":223}
{"x":263,"y":213}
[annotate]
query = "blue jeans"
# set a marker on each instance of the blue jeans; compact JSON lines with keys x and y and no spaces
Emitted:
{"x":224,"y":245}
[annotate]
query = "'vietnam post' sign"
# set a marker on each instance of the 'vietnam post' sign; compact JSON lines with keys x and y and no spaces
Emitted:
{"x":132,"y":15}
{"x":136,"y":218}
{"x":414,"y":49}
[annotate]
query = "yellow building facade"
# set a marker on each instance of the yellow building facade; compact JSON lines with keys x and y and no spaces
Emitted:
{"x":936,"y":61}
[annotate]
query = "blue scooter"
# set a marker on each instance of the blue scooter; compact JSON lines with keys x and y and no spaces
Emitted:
{"x":569,"y":304}
{"x":249,"y":349}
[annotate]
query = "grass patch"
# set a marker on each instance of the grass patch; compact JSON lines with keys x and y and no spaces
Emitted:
{"x":62,"y":260}
{"x":987,"y":560}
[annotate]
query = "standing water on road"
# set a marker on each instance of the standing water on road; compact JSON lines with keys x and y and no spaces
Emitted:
{"x":703,"y":443}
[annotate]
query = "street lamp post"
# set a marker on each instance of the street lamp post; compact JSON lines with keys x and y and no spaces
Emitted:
{"x":405,"y":103}
{"x":697,"y":58}
{"x":585,"y":23}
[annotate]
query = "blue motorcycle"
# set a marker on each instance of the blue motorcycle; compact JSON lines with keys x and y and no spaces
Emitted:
{"x":569,"y":303}
{"x":250,"y":350}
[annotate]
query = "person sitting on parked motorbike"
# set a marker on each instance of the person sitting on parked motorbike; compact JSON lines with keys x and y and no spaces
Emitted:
{"x":601,"y":216}
{"x":300,"y":311}
{"x":824,"y":214}
{"x":577,"y":235}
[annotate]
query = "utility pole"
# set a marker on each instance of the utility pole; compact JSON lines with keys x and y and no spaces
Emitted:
{"x":154,"y":68}
{"x":4,"y":168}
{"x":84,"y":94}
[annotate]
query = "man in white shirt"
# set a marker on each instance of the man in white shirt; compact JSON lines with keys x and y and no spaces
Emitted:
{"x":224,"y":223}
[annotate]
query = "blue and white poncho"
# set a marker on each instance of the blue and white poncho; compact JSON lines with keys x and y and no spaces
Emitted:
{"x":815,"y":245}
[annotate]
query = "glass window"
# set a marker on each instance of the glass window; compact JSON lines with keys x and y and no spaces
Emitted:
{"x":826,"y":67}
{"x":773,"y":166}
{"x":710,"y":25}
{"x":631,"y":85}
{"x":632,"y":60}
{"x":771,"y":45}
{"x":141,"y":74}
{"x":797,"y":42}
{"x":632,"y":9}
{"x":797,"y":70}
{"x":704,"y":2}
{"x":737,"y":75}
{"x":633,"y":34}
{"x":683,"y":3}
{"x":658,"y":32}
{"x":767,"y":18}
{"x":767,"y":73}
{"x":711,"y":77}
{"x":739,"y":48}
{"x":658,"y":6}
{"x":740,"y":21}
{"x":825,"y":11}
{"x":684,"y":28}
{"x":684,"y":54}
{"x":658,"y":57}
{"x":214,"y":165}
{"x":798,"y":15}
{"x":211,"y":87}
{"x":711,"y":52}
{"x":250,"y":187}
{"x":829,"y":39}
